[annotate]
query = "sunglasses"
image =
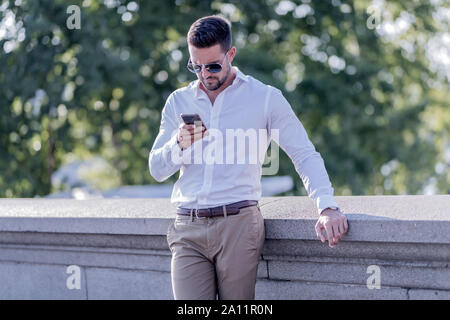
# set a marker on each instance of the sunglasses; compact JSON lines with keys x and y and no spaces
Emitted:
{"x":211,"y":67}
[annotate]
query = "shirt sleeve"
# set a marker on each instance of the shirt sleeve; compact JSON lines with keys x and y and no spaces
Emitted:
{"x":293,"y":139}
{"x":165,"y":148}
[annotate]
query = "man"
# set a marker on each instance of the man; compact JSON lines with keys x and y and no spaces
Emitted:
{"x":217,"y":237}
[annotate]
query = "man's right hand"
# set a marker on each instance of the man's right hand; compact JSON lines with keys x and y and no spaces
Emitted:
{"x":188,"y":134}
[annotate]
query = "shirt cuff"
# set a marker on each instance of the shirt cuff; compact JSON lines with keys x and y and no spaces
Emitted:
{"x":324,"y":202}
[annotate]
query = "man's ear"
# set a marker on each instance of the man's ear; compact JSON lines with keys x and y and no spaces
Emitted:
{"x":231,"y":54}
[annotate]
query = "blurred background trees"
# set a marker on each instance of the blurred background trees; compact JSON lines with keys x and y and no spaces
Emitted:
{"x":369,"y":80}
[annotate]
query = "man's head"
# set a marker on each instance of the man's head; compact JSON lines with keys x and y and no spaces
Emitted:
{"x":209,"y":41}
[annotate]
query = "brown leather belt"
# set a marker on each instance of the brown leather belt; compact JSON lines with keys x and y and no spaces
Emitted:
{"x":232,"y":209}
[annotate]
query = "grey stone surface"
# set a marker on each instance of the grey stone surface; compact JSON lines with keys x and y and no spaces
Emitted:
{"x":128,"y":284}
{"x":150,"y":260}
{"x":420,"y":294}
{"x":121,"y":247}
{"x":262,"y":269}
{"x":399,"y":207}
{"x":86,"y":240}
{"x":417,"y":219}
{"x":399,"y":275}
{"x":300,"y":290}
{"x":126,"y":259}
{"x":37,"y":281}
{"x":352,"y":249}
{"x":371,"y":218}
{"x":105,"y":216}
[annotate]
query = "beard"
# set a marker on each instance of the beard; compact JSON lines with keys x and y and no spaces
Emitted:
{"x":213,"y":83}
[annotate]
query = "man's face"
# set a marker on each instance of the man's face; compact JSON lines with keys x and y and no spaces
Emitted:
{"x":214,"y":54}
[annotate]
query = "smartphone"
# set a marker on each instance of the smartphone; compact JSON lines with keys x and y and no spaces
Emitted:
{"x":192,"y":118}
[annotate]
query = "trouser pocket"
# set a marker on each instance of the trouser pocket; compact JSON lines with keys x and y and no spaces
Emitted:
{"x":169,"y":234}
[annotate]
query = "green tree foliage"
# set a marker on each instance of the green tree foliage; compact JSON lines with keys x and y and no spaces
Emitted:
{"x":372,"y":103}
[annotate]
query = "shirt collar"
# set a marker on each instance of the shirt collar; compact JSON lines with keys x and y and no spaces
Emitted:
{"x":239,"y":75}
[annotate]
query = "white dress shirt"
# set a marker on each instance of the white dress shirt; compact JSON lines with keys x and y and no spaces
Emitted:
{"x":246,"y":104}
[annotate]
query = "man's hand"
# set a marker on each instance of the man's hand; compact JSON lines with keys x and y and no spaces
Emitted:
{"x":335,"y":224}
{"x":189,"y":133}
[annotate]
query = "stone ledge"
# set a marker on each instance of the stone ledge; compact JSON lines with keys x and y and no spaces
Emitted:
{"x":413,"y":219}
{"x":113,"y":258}
{"x":354,"y":249}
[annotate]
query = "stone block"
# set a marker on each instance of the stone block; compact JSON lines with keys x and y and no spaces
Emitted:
{"x":299,"y":290}
{"x":420,"y":294}
{"x":116,"y":284}
{"x":402,"y":274}
{"x":36,"y":281}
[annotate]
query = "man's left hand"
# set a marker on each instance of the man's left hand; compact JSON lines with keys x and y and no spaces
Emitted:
{"x":335,"y":224}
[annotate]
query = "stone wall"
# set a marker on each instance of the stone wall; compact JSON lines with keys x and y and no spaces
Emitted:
{"x":120,"y":249}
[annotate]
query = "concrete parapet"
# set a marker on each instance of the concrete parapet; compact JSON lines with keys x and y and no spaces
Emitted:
{"x":398,"y":247}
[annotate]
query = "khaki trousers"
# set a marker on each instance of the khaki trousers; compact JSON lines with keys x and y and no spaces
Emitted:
{"x":216,"y":256}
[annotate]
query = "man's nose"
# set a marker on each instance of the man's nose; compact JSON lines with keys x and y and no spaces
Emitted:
{"x":205,"y":73}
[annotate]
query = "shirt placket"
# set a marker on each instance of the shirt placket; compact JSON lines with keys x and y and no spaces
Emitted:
{"x":209,"y":167}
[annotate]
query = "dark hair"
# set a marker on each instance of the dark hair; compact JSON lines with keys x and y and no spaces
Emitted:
{"x":209,"y":31}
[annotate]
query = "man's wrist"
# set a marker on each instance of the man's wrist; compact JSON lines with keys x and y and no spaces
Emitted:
{"x":331,"y":207}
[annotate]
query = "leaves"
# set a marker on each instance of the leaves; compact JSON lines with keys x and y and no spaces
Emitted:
{"x":367,"y":100}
